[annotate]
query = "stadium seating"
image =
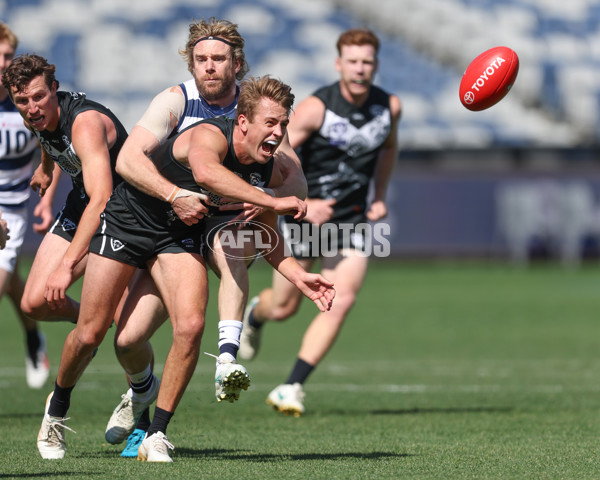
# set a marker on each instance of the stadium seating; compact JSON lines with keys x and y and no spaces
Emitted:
{"x":122,"y":53}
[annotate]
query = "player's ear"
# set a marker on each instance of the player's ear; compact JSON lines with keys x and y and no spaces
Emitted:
{"x":338,"y":64}
{"x":242,"y":123}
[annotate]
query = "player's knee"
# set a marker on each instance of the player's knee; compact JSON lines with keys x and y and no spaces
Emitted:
{"x":88,"y":338}
{"x":189,"y":331}
{"x":34,"y":308}
{"x":125,"y":344}
{"x":342,"y":304}
{"x":280,"y":313}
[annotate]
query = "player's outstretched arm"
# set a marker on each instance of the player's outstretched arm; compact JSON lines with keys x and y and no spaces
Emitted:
{"x":312,"y":285}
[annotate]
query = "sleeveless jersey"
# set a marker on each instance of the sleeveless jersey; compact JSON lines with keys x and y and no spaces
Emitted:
{"x":197,"y":108}
{"x":339,"y":160}
{"x":256,"y":174}
{"x":17,"y":146}
{"x":59,"y":146}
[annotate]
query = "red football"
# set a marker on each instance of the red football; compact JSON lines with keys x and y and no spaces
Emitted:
{"x":488,"y":78}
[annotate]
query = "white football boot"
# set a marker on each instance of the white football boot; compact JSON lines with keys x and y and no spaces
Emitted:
{"x":127,"y":413}
{"x":230,"y":378}
{"x":51,"y":437}
{"x":155,"y":448}
{"x":287,"y":398}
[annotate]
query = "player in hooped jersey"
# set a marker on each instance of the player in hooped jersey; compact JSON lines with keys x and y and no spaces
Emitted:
{"x":215,"y":56}
{"x":17,"y":148}
{"x":346,"y":135}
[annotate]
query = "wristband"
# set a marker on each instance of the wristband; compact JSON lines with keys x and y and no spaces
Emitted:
{"x":173,"y":195}
{"x":268,"y":191}
{"x":179,"y":192}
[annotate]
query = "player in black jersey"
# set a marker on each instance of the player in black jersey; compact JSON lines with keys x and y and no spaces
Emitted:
{"x":83,"y":138}
{"x":139,"y":231}
{"x":346,"y":137}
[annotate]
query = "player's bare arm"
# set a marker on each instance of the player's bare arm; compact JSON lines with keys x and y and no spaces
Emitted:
{"x":4,"y":232}
{"x":288,"y":164}
{"x":135,"y":165}
{"x":43,"y":209}
{"x":385,"y":164}
{"x":93,"y":134}
{"x":312,"y":285}
{"x":205,"y":151}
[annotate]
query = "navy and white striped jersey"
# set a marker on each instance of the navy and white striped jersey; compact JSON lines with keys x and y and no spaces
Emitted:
{"x":17,"y":146}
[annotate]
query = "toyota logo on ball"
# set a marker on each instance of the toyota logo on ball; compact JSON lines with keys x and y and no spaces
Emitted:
{"x":469,"y":97}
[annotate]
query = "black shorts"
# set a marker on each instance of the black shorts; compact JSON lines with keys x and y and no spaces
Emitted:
{"x":304,"y":240}
{"x":66,"y":221}
{"x":129,"y":238}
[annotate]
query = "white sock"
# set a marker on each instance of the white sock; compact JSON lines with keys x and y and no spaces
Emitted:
{"x":144,"y":379}
{"x":229,"y":332}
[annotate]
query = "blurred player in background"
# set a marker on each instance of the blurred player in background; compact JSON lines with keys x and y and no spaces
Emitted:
{"x":346,"y":136}
{"x":215,"y":56}
{"x":17,"y":148}
{"x":4,"y":232}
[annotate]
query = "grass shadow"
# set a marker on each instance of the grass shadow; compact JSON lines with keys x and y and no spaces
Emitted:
{"x":418,"y":411}
{"x":267,"y":457}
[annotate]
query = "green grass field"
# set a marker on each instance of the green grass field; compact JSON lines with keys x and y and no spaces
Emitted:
{"x":444,"y":370}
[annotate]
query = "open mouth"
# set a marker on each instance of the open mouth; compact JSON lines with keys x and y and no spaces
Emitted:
{"x":36,"y":120}
{"x":269,"y":146}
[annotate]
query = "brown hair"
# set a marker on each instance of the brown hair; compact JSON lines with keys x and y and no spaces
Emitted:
{"x":7,"y":34}
{"x":24,"y":69}
{"x":358,"y":36}
{"x":216,"y":28}
{"x":255,"y":88}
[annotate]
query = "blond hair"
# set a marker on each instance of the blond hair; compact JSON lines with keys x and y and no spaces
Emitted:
{"x":254,"y":88}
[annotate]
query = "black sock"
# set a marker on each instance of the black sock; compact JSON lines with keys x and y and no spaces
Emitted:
{"x":160,"y":421}
{"x":60,"y":402}
{"x":252,"y":320}
{"x":300,"y":372}
{"x":144,"y":421}
{"x":33,"y":343}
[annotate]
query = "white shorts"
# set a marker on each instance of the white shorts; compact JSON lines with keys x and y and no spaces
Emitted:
{"x":16,"y":220}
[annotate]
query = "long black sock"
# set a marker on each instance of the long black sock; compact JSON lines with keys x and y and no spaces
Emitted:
{"x":300,"y":372}
{"x":60,"y":402}
{"x":252,"y":320}
{"x":33,"y":343}
{"x":160,"y":421}
{"x":144,"y":421}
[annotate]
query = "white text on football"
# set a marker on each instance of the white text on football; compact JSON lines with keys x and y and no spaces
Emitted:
{"x":495,"y":65}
